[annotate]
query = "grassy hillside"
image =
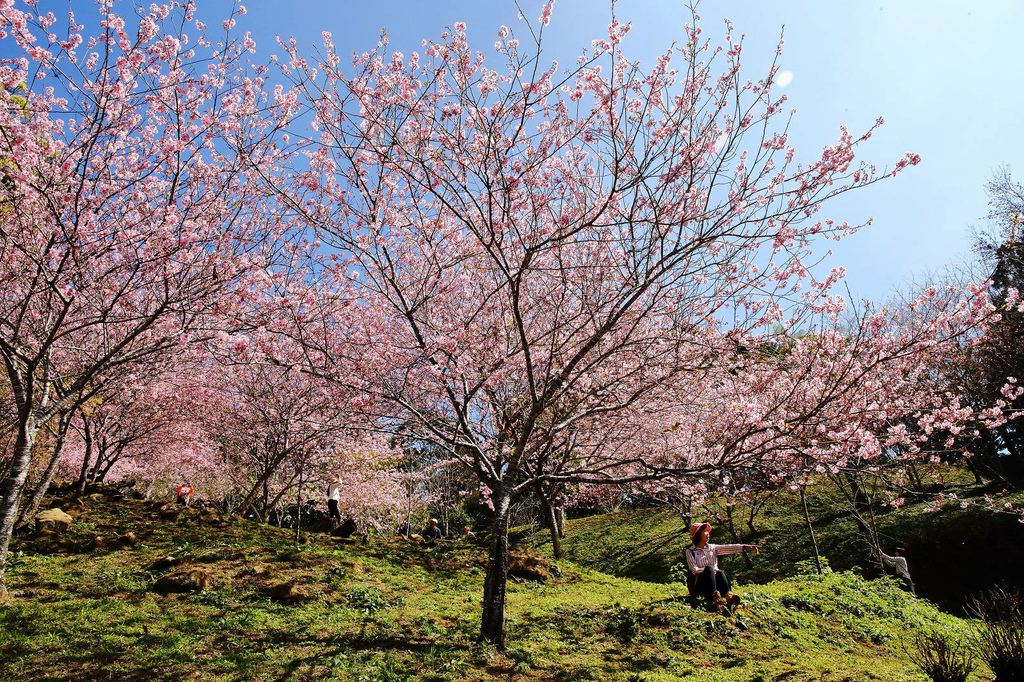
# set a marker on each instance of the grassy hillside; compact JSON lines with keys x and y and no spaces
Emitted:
{"x":393,"y":610}
{"x":952,"y":552}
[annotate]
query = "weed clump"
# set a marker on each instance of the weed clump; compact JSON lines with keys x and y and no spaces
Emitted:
{"x":1001,"y":636}
{"x":940,"y":658}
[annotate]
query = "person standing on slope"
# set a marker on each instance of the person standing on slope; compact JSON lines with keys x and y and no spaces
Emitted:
{"x":899,"y":564}
{"x":334,"y":498}
{"x":710,"y":582}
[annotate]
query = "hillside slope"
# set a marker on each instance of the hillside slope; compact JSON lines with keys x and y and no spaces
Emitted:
{"x":388,"y":609}
{"x":952,"y":552}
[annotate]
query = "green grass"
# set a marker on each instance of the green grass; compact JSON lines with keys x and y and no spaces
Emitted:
{"x":952,"y":552}
{"x":391,"y":610}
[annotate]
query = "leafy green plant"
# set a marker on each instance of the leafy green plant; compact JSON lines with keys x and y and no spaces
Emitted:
{"x":810,"y":566}
{"x":368,"y":599}
{"x":15,"y":560}
{"x":679,"y":573}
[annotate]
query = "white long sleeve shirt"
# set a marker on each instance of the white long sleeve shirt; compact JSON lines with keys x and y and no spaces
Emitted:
{"x":898,"y":564}
{"x":700,"y":558}
{"x":334,"y":491}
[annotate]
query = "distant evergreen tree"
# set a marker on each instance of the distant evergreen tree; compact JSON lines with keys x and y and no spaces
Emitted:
{"x":1001,"y":355}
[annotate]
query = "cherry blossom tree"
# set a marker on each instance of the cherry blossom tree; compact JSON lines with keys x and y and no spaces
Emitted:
{"x":273,"y":420}
{"x":130,"y":214}
{"x":135,"y":421}
{"x":531,"y":262}
{"x":283,"y":431}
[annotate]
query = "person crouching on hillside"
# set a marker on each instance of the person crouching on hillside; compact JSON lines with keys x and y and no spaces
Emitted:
{"x":710,"y":583}
{"x":184,"y":494}
{"x":432,"y":532}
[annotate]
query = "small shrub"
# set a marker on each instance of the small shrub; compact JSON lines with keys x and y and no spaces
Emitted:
{"x":939,"y":658}
{"x":335,"y":574}
{"x":625,"y":622}
{"x":15,"y":559}
{"x":802,"y":600}
{"x":810,"y":567}
{"x":369,"y":600}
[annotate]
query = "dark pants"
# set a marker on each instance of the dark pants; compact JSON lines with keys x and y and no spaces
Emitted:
{"x":332,"y":509}
{"x":182,"y":499}
{"x":709,"y":582}
{"x":907,"y":584}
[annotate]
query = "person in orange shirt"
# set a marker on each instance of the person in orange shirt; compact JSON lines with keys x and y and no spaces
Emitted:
{"x":184,"y":494}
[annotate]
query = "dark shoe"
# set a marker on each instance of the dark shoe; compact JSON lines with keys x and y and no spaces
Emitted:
{"x":732,"y":600}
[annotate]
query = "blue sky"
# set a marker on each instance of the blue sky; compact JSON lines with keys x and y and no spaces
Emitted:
{"x":944,"y":74}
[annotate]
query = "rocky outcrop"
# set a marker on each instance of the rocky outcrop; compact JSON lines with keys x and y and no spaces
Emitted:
{"x":527,"y":566}
{"x":170,"y":512}
{"x":53,"y":520}
{"x":163,"y":563}
{"x":100,"y":543}
{"x":190,"y":579}
{"x":286,"y":591}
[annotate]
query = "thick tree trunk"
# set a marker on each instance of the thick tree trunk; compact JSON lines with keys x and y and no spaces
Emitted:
{"x":560,"y":521}
{"x":100,"y":475}
{"x":250,"y":498}
{"x":492,"y":623}
{"x":11,"y":489}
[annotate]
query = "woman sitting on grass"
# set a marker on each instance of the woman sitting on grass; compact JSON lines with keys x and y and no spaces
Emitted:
{"x":710,"y":582}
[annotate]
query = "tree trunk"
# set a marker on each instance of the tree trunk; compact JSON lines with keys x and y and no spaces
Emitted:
{"x":855,"y":509}
{"x":101,"y":476}
{"x":492,"y":623}
{"x":731,"y":526}
{"x":12,"y":488}
{"x":754,"y":509}
{"x":551,"y":522}
{"x":87,"y":437}
{"x":250,"y":497}
{"x":860,"y":500}
{"x":560,"y":521}
{"x":974,"y":470}
{"x":31,"y":506}
{"x":915,"y":477}
{"x":298,"y":511}
{"x":814,"y":541}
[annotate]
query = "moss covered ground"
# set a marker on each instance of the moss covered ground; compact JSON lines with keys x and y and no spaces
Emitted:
{"x":389,"y":609}
{"x":954,"y":551}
